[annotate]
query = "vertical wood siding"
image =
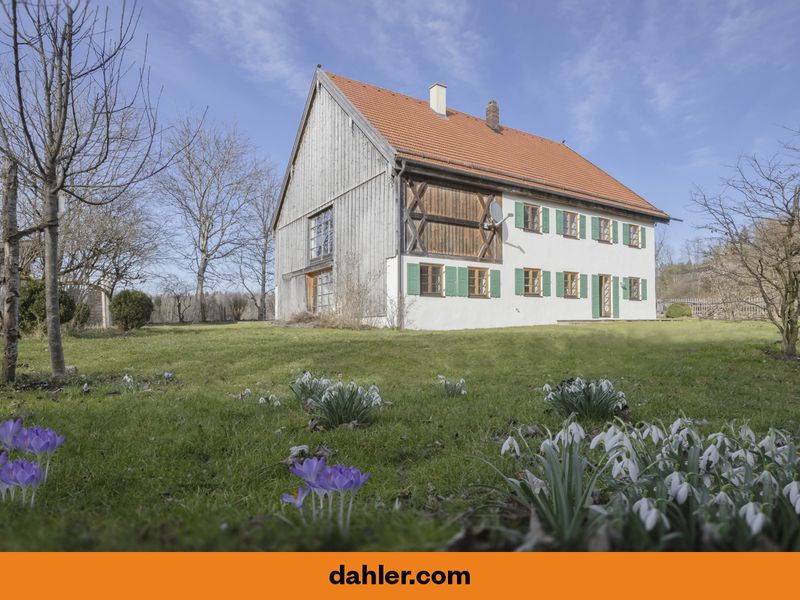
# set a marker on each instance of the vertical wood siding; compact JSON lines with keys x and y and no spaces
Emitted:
{"x":336,"y":164}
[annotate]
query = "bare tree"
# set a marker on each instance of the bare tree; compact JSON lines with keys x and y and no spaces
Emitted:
{"x":10,"y":278}
{"x":237,"y":303}
{"x":756,"y":224}
{"x":179,"y":292}
{"x":254,"y":260}
{"x":209,"y":187}
{"x":66,"y":120}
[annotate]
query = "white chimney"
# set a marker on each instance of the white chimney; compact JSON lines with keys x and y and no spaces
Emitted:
{"x":438,"y":94}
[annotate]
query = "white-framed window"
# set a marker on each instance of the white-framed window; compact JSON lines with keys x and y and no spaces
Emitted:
{"x":320,"y":235}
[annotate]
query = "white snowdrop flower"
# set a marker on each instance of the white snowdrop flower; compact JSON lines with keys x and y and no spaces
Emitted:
{"x":127,"y":379}
{"x":683,"y":492}
{"x":632,"y":468}
{"x":618,"y":469}
{"x":510,"y":445}
{"x":746,"y":433}
{"x":792,"y":491}
{"x":676,"y":426}
{"x":652,"y":520}
{"x":575,"y":432}
{"x":673,"y":481}
{"x":709,"y":458}
{"x":546,"y":388}
{"x":274,"y":400}
{"x":757,"y":524}
{"x":654,"y":433}
{"x":548,"y":445}
{"x":722,"y":499}
{"x":766,"y":478}
{"x":642,"y":507}
{"x":600,"y":437}
{"x":247,"y":393}
{"x":262,"y":400}
{"x":85,"y":388}
{"x":797,"y":506}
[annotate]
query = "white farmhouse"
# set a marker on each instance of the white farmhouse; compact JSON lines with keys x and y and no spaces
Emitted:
{"x":415,"y":215}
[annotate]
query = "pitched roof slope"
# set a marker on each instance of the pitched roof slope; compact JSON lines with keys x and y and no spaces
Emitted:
{"x":464,"y":143}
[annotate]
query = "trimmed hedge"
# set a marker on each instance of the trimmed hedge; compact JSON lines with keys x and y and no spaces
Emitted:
{"x":131,"y":309}
{"x":677,"y":310}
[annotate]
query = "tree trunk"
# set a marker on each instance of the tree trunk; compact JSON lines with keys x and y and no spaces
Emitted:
{"x":262,"y":292}
{"x":789,"y":339}
{"x":52,"y":319}
{"x":10,"y":271}
{"x":199,"y":296}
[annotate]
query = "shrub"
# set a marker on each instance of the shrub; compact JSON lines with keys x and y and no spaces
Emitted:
{"x":32,"y":306}
{"x":586,"y":399}
{"x":345,"y":404}
{"x":677,"y":310}
{"x":650,"y":487}
{"x":452,"y":388}
{"x":131,"y":309}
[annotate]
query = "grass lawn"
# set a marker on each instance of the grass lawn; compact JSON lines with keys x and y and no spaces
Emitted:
{"x":192,"y":465}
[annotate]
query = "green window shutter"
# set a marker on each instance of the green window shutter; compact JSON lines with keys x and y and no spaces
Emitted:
{"x":412,"y":278}
{"x":450,"y":281}
{"x":545,"y":283}
{"x":626,"y":234}
{"x":559,"y":222}
{"x":642,"y":237}
{"x":519,"y":215}
{"x":584,"y":286}
{"x":595,"y":228}
{"x":643,"y":288}
{"x":625,"y":293}
{"x":614,"y":231}
{"x":560,"y":284}
{"x":463,"y":281}
{"x":545,"y":220}
{"x":583,"y":227}
{"x":595,"y":296}
{"x":494,"y":283}
{"x":615,"y":296}
{"x":519,"y":282}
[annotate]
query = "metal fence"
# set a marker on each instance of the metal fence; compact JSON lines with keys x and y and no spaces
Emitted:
{"x":715,"y":308}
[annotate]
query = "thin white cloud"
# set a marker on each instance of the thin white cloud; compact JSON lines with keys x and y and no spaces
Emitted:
{"x":278,"y":41}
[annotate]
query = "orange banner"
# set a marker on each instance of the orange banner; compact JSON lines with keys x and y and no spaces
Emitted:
{"x":393,"y":575}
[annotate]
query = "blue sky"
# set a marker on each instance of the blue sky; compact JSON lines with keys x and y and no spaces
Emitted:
{"x":663,"y":95}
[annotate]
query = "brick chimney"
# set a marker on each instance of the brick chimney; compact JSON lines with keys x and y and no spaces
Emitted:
{"x":493,"y":116}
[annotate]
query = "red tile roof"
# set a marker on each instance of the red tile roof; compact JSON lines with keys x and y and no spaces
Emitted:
{"x":464,"y":143}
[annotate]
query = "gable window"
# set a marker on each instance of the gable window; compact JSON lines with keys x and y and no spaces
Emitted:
{"x":634,"y":288}
{"x":570,"y":224}
{"x":532,"y":282}
{"x":430,"y":280}
{"x":604,"y":233}
{"x":319,"y":291}
{"x":532,"y":218}
{"x":634,"y":235}
{"x":571,"y":285}
{"x":320,"y":235}
{"x":478,"y":281}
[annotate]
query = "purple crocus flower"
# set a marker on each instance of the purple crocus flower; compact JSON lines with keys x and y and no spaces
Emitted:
{"x":8,"y":431}
{"x":309,"y":470}
{"x":296,"y":501}
{"x":38,"y":440}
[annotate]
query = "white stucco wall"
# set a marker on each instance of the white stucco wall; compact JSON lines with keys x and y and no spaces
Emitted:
{"x":549,"y":252}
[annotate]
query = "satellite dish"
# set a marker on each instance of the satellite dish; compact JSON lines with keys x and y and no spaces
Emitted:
{"x":496,"y":212}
